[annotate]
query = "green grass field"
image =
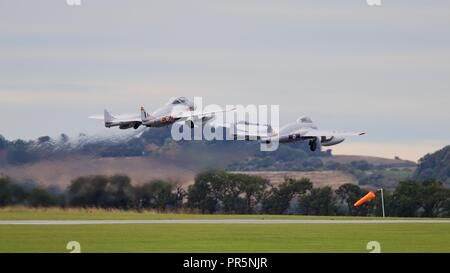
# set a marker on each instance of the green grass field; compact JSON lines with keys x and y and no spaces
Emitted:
{"x":393,"y":237}
{"x":15,"y":213}
{"x":227,"y":238}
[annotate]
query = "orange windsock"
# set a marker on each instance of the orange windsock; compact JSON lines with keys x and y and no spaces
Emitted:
{"x":367,"y":197}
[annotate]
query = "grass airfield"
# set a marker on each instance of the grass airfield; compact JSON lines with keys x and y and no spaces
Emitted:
{"x":236,"y":238}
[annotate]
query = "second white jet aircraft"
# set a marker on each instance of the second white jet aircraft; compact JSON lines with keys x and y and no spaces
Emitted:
{"x":303,"y":129}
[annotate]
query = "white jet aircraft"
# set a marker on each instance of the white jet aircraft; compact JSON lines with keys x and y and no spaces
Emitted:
{"x":303,"y":129}
{"x":176,"y":110}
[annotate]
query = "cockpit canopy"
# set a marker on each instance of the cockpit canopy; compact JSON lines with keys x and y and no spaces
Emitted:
{"x":304,"y":119}
{"x":179,"y":100}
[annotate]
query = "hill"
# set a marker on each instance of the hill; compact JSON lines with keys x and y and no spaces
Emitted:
{"x":152,"y":154}
{"x":377,"y":161}
{"x":61,"y":172}
{"x":333,"y":179}
{"x":435,"y":166}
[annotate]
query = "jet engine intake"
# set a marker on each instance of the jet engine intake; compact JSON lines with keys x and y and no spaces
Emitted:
{"x":329,"y":141}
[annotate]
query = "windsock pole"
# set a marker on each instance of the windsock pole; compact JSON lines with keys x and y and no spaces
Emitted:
{"x":382,"y":201}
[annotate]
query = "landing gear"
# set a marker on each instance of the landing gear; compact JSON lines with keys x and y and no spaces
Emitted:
{"x":313,"y":145}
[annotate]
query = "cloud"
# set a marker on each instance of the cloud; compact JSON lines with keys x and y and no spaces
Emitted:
{"x":384,"y":70}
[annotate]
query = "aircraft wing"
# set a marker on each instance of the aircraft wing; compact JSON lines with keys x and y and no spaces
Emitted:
{"x":128,"y":118}
{"x":252,"y":131}
{"x":121,"y":118}
{"x":198,"y":114}
{"x":321,"y":133}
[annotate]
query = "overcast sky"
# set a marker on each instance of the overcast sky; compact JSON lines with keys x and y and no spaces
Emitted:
{"x":384,"y":70}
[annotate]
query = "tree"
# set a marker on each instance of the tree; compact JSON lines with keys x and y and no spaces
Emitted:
{"x":228,"y":192}
{"x":87,"y":191}
{"x":319,"y":201}
{"x":40,"y":197}
{"x":101,"y":191}
{"x":433,"y":198}
{"x":406,"y":199}
{"x":44,"y":139}
{"x":18,"y":153}
{"x":226,"y":189}
{"x":3,"y":142}
{"x":278,"y":200}
{"x":420,"y":199}
{"x":348,"y":194}
{"x":435,"y":166}
{"x":156,"y":194}
{"x":119,"y":193}
{"x":361,"y":165}
{"x":312,"y":163}
{"x":11,"y":193}
{"x":253,"y":188}
{"x":200,"y":195}
{"x":333,"y":165}
{"x":214,"y":190}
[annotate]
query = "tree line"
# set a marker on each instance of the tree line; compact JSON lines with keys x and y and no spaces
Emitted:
{"x":232,"y":193}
